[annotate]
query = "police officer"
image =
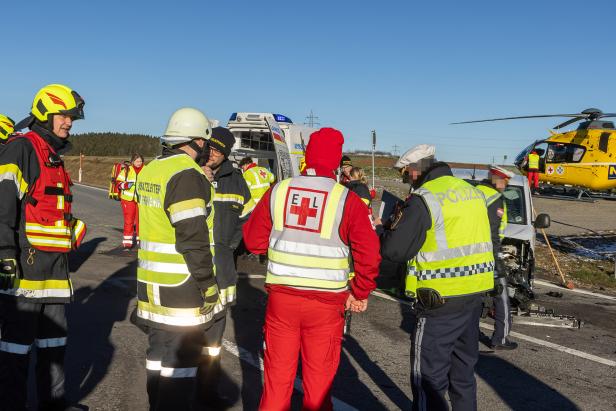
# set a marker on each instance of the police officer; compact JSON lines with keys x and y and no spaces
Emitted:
{"x":176,"y":288}
{"x":7,"y":126}
{"x":492,"y":188}
{"x":37,"y":231}
{"x":259,"y":179}
{"x":444,"y":234}
{"x":311,"y":227}
{"x":232,"y":205}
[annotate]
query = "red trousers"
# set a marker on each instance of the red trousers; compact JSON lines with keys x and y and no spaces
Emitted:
{"x":131,"y":222}
{"x":294,"y":325}
{"x":533,"y":178}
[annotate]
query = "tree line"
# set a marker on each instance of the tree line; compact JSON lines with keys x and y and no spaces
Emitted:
{"x":114,"y":144}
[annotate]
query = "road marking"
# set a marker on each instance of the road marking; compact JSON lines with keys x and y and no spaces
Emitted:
{"x":92,"y":187}
{"x":585,"y":292}
{"x":567,"y":350}
{"x":557,"y":347}
{"x":257,"y":362}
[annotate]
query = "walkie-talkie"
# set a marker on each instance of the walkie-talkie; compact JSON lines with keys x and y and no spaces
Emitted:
{"x":347,"y":323}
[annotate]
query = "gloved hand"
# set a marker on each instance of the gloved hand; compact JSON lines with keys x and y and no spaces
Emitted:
{"x":8,"y":273}
{"x":210,"y":299}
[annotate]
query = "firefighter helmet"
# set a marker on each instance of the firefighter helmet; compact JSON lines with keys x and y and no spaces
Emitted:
{"x":185,"y":125}
{"x":57,"y":99}
{"x":7,"y":126}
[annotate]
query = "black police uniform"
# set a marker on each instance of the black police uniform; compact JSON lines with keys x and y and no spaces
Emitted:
{"x":444,"y":341}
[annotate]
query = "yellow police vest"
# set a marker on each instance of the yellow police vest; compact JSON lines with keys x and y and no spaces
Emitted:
{"x":306,"y":250}
{"x":160,"y":267}
{"x":491,"y":196}
{"x":456,"y":259}
{"x":130,"y":177}
{"x":533,"y":161}
{"x":258,"y":180}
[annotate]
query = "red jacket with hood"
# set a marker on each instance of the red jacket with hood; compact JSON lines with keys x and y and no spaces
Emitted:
{"x":322,"y":157}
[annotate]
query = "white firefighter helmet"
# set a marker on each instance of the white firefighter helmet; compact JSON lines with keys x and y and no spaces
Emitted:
{"x":186,"y":124}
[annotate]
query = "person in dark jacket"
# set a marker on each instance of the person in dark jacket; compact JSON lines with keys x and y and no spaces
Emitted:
{"x":358,"y":184}
{"x":443,"y":234}
{"x":37,"y":231}
{"x":232,"y":205}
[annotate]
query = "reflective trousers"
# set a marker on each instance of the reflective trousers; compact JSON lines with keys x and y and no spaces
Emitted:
{"x":294,"y":325}
{"x":502,"y":314}
{"x":533,"y":178}
{"x":27,"y":326}
{"x":208,"y":373}
{"x":131,"y":222}
{"x":444,"y":352}
{"x":171,"y":365}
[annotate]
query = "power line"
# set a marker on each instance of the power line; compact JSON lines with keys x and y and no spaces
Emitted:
{"x":312,"y":120}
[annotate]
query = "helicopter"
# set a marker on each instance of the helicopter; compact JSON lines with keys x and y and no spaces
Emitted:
{"x":584,"y":158}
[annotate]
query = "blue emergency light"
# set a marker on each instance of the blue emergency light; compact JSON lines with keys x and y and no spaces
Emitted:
{"x":282,"y":119}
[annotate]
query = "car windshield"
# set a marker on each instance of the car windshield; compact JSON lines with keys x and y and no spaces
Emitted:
{"x":516,"y":212}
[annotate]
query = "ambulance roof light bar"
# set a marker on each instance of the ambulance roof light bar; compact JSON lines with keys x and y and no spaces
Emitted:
{"x":280,"y":118}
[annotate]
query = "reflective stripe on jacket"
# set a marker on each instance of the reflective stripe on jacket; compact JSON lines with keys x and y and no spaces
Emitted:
{"x":305,"y":249}
{"x":169,"y":294}
{"x":456,"y":258}
{"x":129,"y":177}
{"x":259,"y":180}
{"x":533,"y":161}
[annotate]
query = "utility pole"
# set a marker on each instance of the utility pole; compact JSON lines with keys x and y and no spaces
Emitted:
{"x":312,"y":120}
{"x":373,"y":150}
{"x":395,"y":150}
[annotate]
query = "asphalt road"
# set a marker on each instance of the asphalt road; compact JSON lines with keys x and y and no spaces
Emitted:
{"x":553,"y":369}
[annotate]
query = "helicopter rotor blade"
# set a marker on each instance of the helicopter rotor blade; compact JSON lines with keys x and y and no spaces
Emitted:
{"x":608,"y":115}
{"x":518,"y":118}
{"x":566,"y":123}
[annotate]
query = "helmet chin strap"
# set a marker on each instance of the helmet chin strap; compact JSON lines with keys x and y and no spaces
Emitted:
{"x":203,"y":153}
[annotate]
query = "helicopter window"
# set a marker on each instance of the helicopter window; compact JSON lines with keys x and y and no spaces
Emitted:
{"x":603,"y":140}
{"x":514,"y":198}
{"x":564,"y":153}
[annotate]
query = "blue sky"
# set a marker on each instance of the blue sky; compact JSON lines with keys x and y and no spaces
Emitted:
{"x":404,"y":68}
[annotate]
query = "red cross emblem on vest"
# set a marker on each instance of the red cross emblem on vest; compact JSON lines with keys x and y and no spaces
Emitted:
{"x":263,"y":174}
{"x":304,"y":209}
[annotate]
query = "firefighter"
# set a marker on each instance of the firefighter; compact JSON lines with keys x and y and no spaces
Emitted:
{"x":232,"y":204}
{"x":311,"y":228}
{"x":176,"y":289}
{"x":533,"y":170}
{"x":7,"y":126}
{"x":259,"y":179}
{"x":37,"y":231}
{"x":492,"y":188}
{"x":443,"y":234}
{"x":126,"y":182}
{"x":346,"y":165}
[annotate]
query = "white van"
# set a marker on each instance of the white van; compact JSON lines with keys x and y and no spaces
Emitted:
{"x":272,"y":140}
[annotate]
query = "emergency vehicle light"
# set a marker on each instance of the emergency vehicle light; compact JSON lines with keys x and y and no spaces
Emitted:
{"x":282,"y":119}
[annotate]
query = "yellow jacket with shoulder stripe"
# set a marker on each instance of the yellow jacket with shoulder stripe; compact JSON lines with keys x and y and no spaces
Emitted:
{"x":175,"y":264}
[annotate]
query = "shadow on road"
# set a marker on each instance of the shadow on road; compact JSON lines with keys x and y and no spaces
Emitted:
{"x":352,"y":349}
{"x":91,"y":319}
{"x":83,"y":253}
{"x":518,"y":389}
{"x":248,"y":317}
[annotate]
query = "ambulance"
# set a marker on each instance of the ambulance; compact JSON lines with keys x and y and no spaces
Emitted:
{"x":271,"y":140}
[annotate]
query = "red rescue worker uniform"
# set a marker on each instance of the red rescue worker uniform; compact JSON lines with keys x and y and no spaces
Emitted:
{"x":533,"y":170}
{"x":126,"y":184}
{"x":315,"y":232}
